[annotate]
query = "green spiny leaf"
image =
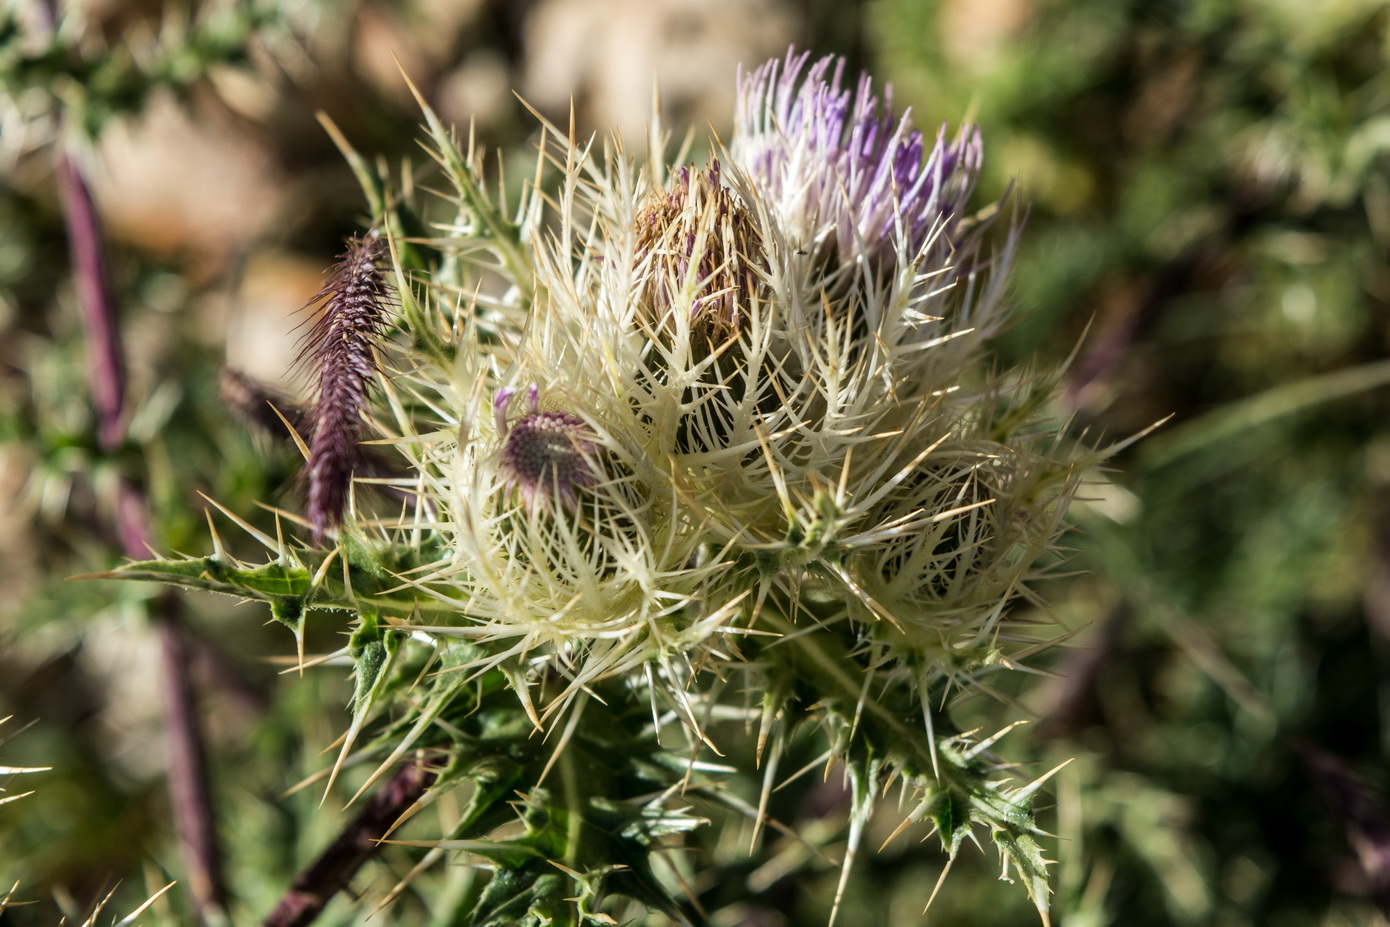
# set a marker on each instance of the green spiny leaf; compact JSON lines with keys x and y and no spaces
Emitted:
{"x":1023,"y":852}
{"x":372,"y":649}
{"x":369,"y":584}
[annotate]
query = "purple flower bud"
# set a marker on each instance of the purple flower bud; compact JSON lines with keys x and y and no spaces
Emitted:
{"x":544,"y":455}
{"x":838,"y":163}
{"x":340,"y":350}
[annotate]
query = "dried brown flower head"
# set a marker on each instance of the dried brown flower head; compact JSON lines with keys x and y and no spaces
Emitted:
{"x":703,"y":246}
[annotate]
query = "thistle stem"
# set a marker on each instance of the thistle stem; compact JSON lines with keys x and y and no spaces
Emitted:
{"x":330,"y":873}
{"x":97,"y":303}
{"x":188,"y":788}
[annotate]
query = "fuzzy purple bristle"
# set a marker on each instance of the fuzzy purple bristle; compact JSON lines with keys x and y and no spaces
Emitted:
{"x":355,"y":309}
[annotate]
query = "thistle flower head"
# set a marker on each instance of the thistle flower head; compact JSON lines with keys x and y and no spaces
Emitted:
{"x":544,"y":454}
{"x":841,"y":167}
{"x":561,"y":541}
{"x":762,"y":448}
{"x":955,"y":543}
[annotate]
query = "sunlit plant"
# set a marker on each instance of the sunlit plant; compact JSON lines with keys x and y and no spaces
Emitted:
{"x":726,"y":457}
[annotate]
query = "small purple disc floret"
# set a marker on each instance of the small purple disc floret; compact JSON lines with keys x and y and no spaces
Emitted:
{"x":545,"y":454}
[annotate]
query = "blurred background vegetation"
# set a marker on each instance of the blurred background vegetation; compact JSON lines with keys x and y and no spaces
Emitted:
{"x":1208,"y":227}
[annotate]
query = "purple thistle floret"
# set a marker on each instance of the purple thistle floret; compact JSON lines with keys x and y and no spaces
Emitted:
{"x":838,"y":163}
{"x":340,"y":350}
{"x":544,"y":454}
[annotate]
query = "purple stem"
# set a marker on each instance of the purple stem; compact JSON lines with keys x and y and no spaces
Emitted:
{"x":97,"y":304}
{"x":332,"y":871}
{"x":189,"y":795}
{"x":188,"y":783}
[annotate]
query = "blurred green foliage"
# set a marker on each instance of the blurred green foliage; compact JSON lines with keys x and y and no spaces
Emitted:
{"x":1208,"y":186}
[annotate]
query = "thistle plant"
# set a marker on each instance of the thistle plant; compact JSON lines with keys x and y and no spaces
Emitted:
{"x":725,"y":461}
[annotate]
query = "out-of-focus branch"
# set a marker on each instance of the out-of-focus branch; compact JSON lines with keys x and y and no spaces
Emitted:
{"x":333,"y":869}
{"x":97,"y":304}
{"x":1071,"y":699}
{"x":1361,"y":815}
{"x":188,"y":789}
